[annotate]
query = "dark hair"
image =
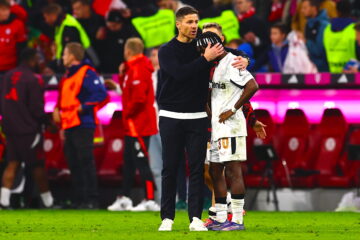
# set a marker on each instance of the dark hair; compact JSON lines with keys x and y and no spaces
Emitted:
{"x":27,"y":55}
{"x":5,"y":3}
{"x":182,"y":12}
{"x":52,"y":8}
{"x":84,"y":2}
{"x":344,"y":8}
{"x":357,"y":27}
{"x":314,"y":3}
{"x":213,"y":25}
{"x":281,"y":26}
{"x":205,"y":38}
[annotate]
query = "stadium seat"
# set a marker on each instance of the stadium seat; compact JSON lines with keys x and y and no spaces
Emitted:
{"x":328,"y":148}
{"x":291,"y":143}
{"x":351,"y":166}
{"x":254,"y":167}
{"x":114,"y":143}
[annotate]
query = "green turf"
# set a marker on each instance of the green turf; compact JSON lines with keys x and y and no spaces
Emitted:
{"x":66,"y":224}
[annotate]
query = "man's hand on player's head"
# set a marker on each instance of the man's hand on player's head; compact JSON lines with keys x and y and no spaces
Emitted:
{"x":240,"y":63}
{"x":225,"y":116}
{"x":211,"y":53}
{"x":259,"y":129}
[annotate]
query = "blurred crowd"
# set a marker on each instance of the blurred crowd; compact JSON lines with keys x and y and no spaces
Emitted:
{"x":289,"y":36}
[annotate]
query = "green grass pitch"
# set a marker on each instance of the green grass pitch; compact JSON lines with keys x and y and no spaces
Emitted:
{"x":76,"y":225}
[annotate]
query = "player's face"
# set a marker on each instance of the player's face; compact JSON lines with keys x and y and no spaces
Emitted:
{"x":276,"y":36}
{"x":188,"y":26}
{"x":4,"y":13}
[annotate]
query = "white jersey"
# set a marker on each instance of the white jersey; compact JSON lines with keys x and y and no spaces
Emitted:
{"x":227,"y":86}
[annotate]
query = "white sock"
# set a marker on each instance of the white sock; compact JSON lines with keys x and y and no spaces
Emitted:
{"x":221,"y":212}
{"x":212,"y":213}
{"x":237,"y":206}
{"x":47,"y":199}
{"x":5,"y":197}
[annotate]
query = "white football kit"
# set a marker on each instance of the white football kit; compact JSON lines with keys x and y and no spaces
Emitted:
{"x":228,"y":140}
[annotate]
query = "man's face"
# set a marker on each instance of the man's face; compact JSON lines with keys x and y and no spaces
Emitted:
{"x":276,"y":36}
{"x":4,"y":13}
{"x":188,"y":26}
{"x":242,"y":6}
{"x":358,"y":37}
{"x":114,"y":26}
{"x":68,"y":58}
{"x":50,"y":19}
{"x":79,"y":10}
{"x":307,"y":10}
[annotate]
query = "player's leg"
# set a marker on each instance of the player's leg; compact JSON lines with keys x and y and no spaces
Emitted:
{"x":173,"y":145}
{"x":220,"y":190}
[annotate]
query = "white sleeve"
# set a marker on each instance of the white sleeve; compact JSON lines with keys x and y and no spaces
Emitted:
{"x":240,"y":78}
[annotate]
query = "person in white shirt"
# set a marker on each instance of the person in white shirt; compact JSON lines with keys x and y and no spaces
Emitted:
{"x":231,"y":88}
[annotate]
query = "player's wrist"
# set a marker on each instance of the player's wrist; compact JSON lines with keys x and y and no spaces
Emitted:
{"x":234,"y":109}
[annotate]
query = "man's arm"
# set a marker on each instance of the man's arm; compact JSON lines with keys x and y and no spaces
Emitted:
{"x":36,"y":99}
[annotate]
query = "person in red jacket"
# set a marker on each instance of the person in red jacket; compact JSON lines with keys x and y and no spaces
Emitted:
{"x":12,"y":37}
{"x":140,"y":123}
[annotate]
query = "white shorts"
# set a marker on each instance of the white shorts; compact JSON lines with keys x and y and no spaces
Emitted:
{"x":207,"y":159}
{"x":228,"y":149}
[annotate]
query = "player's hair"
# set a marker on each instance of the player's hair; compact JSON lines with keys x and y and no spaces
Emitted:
{"x":76,"y":49}
{"x":52,"y":8}
{"x":344,"y":8}
{"x":135,"y":45}
{"x":213,"y":25}
{"x":205,"y":38}
{"x":5,"y":3}
{"x":281,"y":26}
{"x":184,"y":11}
{"x":83,"y":2}
{"x":314,"y":3}
{"x":357,"y":27}
{"x":27,"y":55}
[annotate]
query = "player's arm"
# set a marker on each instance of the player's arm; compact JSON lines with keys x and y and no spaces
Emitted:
{"x":251,"y":120}
{"x":250,"y":89}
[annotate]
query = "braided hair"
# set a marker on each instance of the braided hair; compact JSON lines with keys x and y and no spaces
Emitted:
{"x":205,"y":38}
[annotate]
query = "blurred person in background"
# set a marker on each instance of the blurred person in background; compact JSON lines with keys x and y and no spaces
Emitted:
{"x":12,"y":37}
{"x":111,"y":46}
{"x":276,"y":54}
{"x":93,"y":23}
{"x":67,"y":29}
{"x":23,"y":116}
{"x":340,"y":38}
{"x":317,"y":20}
{"x":250,"y":29}
{"x":139,"y":121}
{"x":170,"y":4}
{"x":353,"y":65}
{"x":81,"y":94}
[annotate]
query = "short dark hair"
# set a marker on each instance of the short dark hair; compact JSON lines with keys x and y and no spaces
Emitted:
{"x":213,"y":25}
{"x":281,"y":26}
{"x":76,"y":49}
{"x":357,"y":27}
{"x":52,"y":8}
{"x":182,"y":12}
{"x":314,"y":3}
{"x":344,"y":8}
{"x":83,"y":2}
{"x":5,"y":3}
{"x":27,"y":55}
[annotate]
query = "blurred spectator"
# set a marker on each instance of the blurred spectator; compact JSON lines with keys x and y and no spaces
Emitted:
{"x":23,"y":116}
{"x":250,"y":29}
{"x":245,"y":47}
{"x":139,"y":121}
{"x":81,"y":94}
{"x":317,"y":20}
{"x":12,"y":37}
{"x":67,"y":29}
{"x":170,"y":4}
{"x":111,"y":48}
{"x":276,"y":11}
{"x":339,"y":38}
{"x":275,"y":56}
{"x":299,"y":20}
{"x":92,"y":23}
{"x":18,"y":11}
{"x":353,"y":66}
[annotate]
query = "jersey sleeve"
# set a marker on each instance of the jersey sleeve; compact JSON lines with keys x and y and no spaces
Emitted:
{"x":239,"y":78}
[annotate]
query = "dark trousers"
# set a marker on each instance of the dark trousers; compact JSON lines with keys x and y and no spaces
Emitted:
{"x":79,"y":154}
{"x":135,"y":157}
{"x":176,"y":136}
